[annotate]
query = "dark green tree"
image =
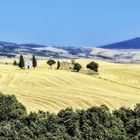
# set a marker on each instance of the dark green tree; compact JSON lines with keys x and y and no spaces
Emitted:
{"x":10,"y":108}
{"x":21,"y":62}
{"x":58,"y":65}
{"x":34,"y":61}
{"x":86,"y":131}
{"x":95,"y":123}
{"x":77,"y":67}
{"x":93,"y":66}
{"x":51,"y":62}
{"x":70,"y":119}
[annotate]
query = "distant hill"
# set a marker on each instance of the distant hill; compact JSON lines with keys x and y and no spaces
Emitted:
{"x":8,"y":49}
{"x":32,"y":45}
{"x":8,"y":45}
{"x":122,"y":51}
{"x":128,"y":44}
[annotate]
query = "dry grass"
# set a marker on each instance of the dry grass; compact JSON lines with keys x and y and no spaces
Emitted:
{"x":51,"y":90}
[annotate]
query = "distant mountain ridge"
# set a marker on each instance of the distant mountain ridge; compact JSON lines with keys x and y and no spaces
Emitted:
{"x":123,"y":51}
{"x":8,"y":44}
{"x":128,"y":44}
{"x":32,"y":45}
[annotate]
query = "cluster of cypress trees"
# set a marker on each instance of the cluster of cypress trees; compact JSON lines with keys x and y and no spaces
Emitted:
{"x":76,"y":66}
{"x":95,"y":123}
{"x":22,"y":64}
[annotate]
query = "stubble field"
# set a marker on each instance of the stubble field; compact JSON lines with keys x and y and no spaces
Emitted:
{"x":48,"y":89}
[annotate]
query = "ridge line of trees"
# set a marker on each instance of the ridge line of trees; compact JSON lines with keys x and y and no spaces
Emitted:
{"x":76,"y":66}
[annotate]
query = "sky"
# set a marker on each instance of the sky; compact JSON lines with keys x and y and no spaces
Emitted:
{"x":69,"y":22}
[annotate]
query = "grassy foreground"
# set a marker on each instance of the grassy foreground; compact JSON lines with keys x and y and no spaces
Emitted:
{"x":52,"y":90}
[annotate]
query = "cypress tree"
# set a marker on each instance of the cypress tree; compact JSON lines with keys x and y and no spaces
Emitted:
{"x":34,"y":61}
{"x":58,"y":65}
{"x":21,"y":61}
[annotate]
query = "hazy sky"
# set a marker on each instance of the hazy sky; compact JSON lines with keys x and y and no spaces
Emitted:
{"x":69,"y":22}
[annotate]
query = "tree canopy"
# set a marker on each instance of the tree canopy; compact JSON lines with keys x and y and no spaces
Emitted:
{"x":77,"y":67}
{"x":51,"y":62}
{"x":93,"y":66}
{"x":95,"y":123}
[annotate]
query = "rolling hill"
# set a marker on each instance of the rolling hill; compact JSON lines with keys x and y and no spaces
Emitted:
{"x":128,"y":44}
{"x":122,"y":52}
{"x":52,"y":90}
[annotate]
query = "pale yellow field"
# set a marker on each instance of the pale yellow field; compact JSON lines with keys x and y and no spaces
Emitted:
{"x":51,"y":90}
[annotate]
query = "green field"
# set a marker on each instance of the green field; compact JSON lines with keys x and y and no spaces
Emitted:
{"x":48,"y":89}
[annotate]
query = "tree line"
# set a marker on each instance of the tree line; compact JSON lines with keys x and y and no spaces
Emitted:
{"x":76,"y":66}
{"x":21,"y":63}
{"x":95,"y":123}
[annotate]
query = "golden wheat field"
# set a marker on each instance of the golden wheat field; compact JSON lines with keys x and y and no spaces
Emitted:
{"x":51,"y":90}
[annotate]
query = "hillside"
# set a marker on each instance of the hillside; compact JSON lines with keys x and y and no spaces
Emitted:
{"x":10,"y":50}
{"x":122,"y":52}
{"x":128,"y":44}
{"x":117,"y":55}
{"x":51,"y":90}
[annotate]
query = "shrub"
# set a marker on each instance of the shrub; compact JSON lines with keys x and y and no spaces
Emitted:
{"x":15,"y":63}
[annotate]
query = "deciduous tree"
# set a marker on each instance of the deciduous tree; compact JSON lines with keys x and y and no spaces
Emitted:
{"x":77,"y":67}
{"x":51,"y":62}
{"x":93,"y":66}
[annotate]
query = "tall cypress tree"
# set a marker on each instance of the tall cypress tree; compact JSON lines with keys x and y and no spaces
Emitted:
{"x":58,"y":64}
{"x":21,"y":61}
{"x":34,"y":61}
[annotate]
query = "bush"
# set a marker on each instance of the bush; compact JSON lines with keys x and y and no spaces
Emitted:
{"x":15,"y":63}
